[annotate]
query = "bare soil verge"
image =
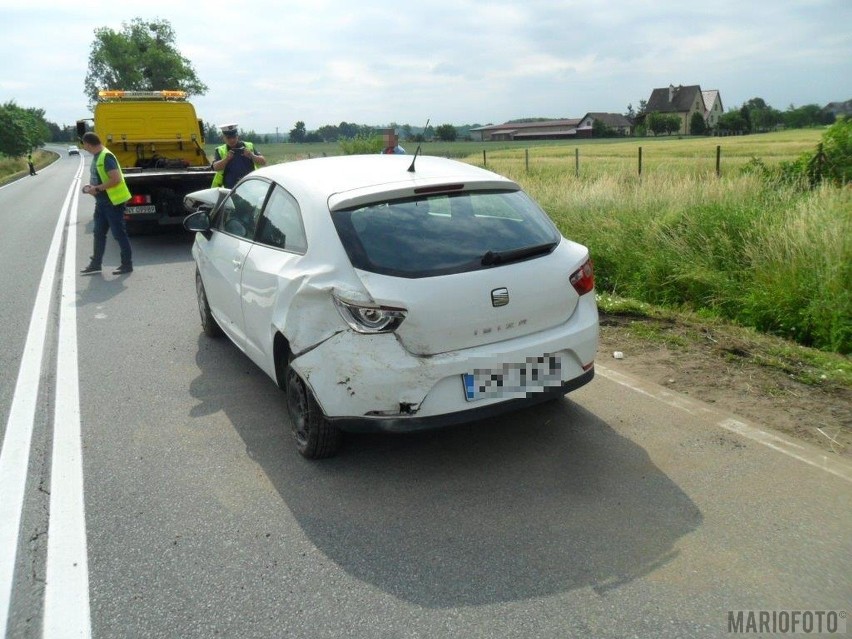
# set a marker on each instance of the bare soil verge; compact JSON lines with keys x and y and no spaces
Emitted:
{"x":745,"y":373}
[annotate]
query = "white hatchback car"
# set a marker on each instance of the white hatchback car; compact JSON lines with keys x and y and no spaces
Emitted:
{"x":385,"y":293}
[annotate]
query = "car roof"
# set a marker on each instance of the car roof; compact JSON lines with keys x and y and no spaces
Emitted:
{"x":348,"y":179}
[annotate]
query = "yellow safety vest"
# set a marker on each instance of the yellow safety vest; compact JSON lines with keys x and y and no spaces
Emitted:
{"x":119,"y":194}
{"x":219,"y":178}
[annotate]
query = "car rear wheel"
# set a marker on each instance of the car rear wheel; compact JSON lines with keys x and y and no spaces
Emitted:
{"x":208,"y":323}
{"x":315,"y":437}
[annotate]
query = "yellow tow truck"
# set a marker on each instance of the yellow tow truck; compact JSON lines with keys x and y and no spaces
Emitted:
{"x":159,"y":143}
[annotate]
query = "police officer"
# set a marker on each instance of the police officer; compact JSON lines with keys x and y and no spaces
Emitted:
{"x":235,"y":159}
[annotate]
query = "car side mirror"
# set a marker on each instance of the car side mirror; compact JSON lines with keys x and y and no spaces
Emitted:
{"x":198,"y":222}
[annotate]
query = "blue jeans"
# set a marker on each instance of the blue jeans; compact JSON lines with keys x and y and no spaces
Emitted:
{"x":110,"y":217}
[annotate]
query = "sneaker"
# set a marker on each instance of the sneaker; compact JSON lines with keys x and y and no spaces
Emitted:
{"x":124,"y":269}
{"x":91,"y":269}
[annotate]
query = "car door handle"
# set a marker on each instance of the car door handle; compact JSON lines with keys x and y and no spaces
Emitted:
{"x":237,"y":264}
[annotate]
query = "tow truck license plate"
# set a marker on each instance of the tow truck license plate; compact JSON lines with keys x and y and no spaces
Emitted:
{"x":514,"y":379}
{"x":136,"y":210}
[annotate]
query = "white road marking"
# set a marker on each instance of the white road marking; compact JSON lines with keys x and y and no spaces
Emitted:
{"x":66,"y":597}
{"x":790,"y":447}
{"x":15,"y":454}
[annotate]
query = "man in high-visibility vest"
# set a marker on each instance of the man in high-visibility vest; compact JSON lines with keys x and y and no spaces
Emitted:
{"x":235,"y":159}
{"x":106,"y":184}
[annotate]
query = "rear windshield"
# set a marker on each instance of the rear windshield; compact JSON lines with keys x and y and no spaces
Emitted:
{"x":446,"y":233}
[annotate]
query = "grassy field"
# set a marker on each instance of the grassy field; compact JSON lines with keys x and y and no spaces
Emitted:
{"x":597,"y":157}
{"x":774,"y":257}
{"x":14,"y":168}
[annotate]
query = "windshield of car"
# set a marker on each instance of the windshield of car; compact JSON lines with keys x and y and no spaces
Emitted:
{"x":445,"y":233}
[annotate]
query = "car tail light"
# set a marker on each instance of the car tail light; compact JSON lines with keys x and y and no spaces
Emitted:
{"x":138,"y":200}
{"x":370,"y":319}
{"x":583,"y":279}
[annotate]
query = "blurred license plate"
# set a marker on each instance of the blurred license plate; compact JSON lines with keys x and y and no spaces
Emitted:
{"x":514,"y":379}
{"x":138,"y":210}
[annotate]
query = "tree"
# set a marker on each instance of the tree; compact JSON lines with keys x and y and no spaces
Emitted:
{"x":732,"y":122}
{"x":697,"y":125}
{"x":746,"y":115}
{"x":631,"y":114}
{"x":655,"y":121}
{"x":837,"y":151}
{"x":328,"y":133}
{"x":446,"y":133}
{"x":347,"y":130}
{"x":756,"y":103}
{"x":672,"y":123}
{"x":298,"y":132}
{"x":602,"y":130}
{"x":22,"y":130}
{"x":661,"y":123}
{"x":803,"y":116}
{"x":141,"y":57}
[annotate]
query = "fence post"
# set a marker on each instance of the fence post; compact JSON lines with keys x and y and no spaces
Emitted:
{"x":640,"y":161}
{"x":718,"y":160}
{"x":527,"y":159}
{"x":577,"y":162}
{"x":484,"y":162}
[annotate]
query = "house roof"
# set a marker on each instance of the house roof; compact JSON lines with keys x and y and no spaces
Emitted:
{"x":547,"y":134}
{"x":682,"y":98}
{"x":609,"y":119}
{"x":838,"y":108}
{"x":710,"y":98}
{"x":528,"y":125}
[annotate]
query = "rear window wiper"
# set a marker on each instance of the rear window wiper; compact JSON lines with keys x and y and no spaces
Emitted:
{"x":492,"y":258}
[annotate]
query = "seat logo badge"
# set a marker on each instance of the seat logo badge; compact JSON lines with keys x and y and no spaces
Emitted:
{"x":499,"y":297}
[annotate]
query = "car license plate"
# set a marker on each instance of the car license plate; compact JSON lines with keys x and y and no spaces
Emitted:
{"x":514,"y":379}
{"x":138,"y":210}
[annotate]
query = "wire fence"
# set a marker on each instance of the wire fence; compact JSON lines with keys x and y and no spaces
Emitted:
{"x":812,"y":166}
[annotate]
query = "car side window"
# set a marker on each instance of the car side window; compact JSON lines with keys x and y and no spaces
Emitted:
{"x":281,"y":225}
{"x":240,"y":212}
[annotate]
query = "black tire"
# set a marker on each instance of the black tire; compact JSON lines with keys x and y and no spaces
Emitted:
{"x":208,"y":324}
{"x":315,"y":437}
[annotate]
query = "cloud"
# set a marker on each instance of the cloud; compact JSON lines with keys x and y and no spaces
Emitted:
{"x":271,"y":63}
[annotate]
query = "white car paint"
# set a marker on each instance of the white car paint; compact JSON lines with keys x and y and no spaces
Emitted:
{"x":451,"y":325}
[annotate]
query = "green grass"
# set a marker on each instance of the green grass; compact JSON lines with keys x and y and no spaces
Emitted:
{"x":14,"y":168}
{"x":775,"y":258}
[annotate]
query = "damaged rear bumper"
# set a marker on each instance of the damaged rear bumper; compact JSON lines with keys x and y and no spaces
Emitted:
{"x":372,"y":383}
{"x":412,"y":423}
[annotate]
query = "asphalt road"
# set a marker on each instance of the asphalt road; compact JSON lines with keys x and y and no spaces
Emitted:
{"x":158,"y":493}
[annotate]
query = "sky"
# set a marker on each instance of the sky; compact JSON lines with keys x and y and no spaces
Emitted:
{"x":271,"y":63}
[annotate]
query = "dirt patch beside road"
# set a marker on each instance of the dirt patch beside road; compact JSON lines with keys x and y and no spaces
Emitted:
{"x":742,"y":372}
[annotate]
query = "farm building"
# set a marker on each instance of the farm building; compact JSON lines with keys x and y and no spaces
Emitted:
{"x":565,"y":129}
{"x":538,"y":130}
